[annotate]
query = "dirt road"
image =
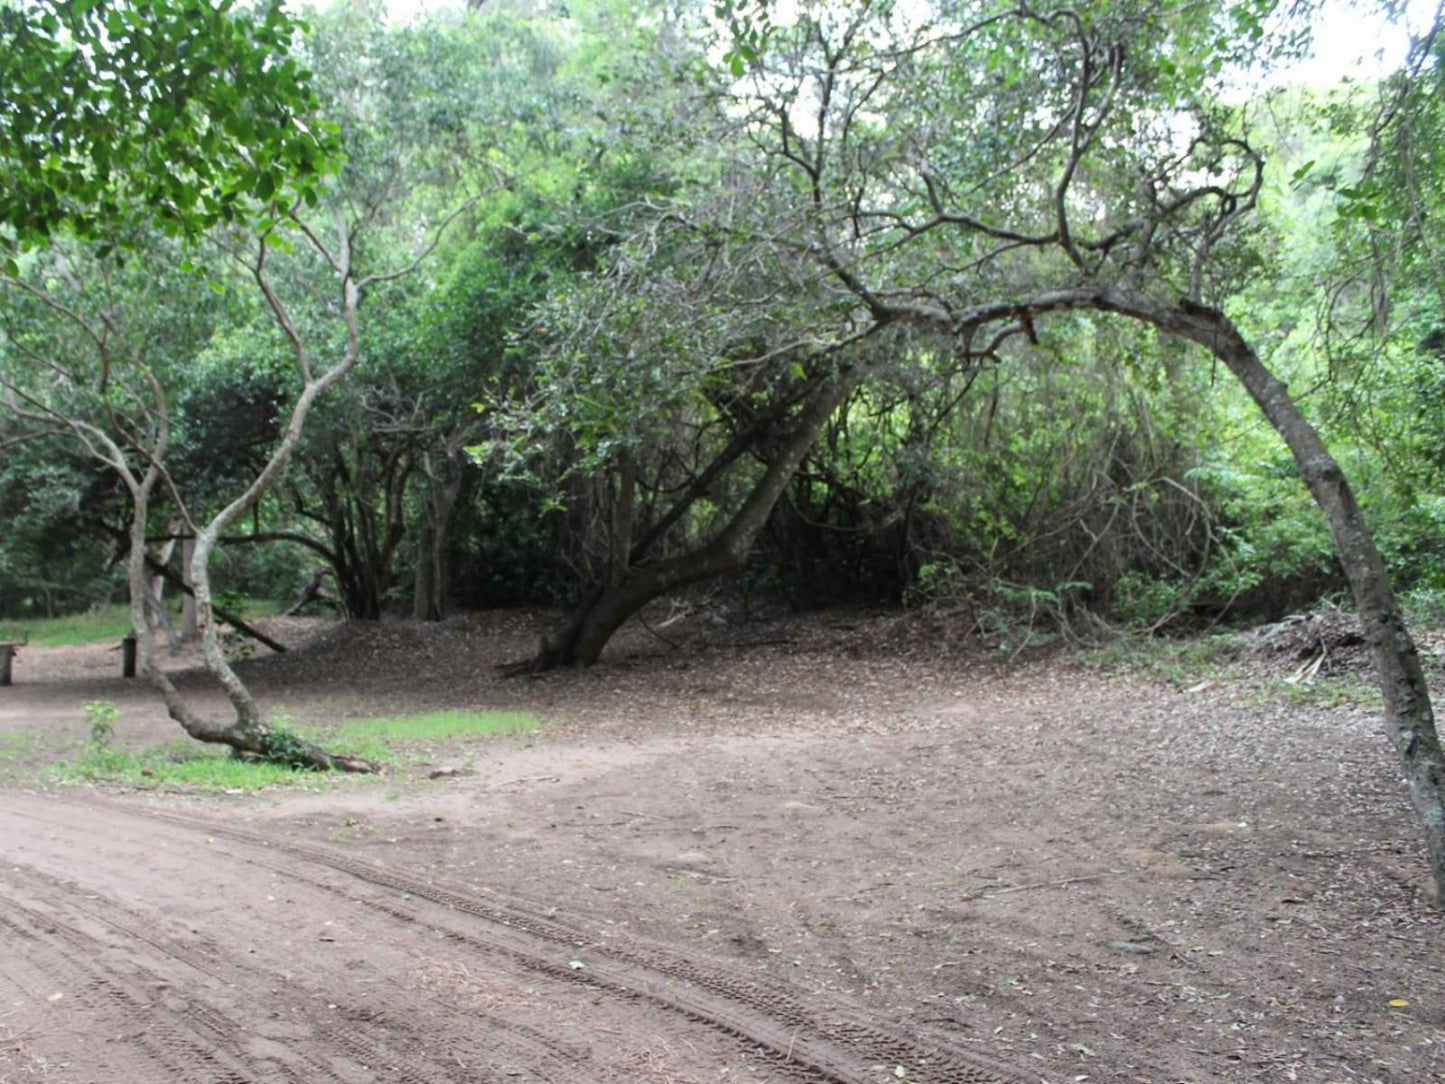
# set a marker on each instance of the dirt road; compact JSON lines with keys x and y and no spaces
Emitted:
{"x":172,"y":948}
{"x":811,"y":851}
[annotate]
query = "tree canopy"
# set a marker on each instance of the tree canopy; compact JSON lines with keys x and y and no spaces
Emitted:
{"x":173,"y":113}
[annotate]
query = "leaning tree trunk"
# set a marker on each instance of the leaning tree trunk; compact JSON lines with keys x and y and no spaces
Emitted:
{"x":1409,"y":717}
{"x":579,"y":639}
{"x":249,"y":732}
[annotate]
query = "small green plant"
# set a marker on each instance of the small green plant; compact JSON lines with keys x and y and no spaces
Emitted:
{"x":287,"y":749}
{"x":102,"y":716}
{"x":230,"y":599}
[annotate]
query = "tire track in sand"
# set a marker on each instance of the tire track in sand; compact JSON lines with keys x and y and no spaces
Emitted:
{"x":160,"y":1014}
{"x":798,"y":1036}
{"x":820,"y":1036}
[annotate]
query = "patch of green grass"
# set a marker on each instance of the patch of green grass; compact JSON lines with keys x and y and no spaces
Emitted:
{"x":1338,"y":690}
{"x":436,"y":726}
{"x":13,"y":742}
{"x":1180,"y":662}
{"x":105,"y":623}
{"x":1223,"y":658}
{"x":410,"y":739}
{"x":196,"y":766}
{"x":181,"y":764}
{"x":18,"y":744}
{"x":24,"y":753}
{"x":101,"y":624}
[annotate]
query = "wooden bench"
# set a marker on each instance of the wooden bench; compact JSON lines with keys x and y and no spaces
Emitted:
{"x":7,"y":652}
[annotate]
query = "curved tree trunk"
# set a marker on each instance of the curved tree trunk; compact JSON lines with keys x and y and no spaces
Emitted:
{"x":249,"y":732}
{"x":579,"y":639}
{"x":1409,"y":717}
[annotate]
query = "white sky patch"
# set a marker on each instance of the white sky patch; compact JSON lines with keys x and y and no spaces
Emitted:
{"x":1351,"y":38}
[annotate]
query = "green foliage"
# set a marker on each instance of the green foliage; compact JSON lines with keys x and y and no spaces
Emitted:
{"x":184,"y":113}
{"x":648,"y":295}
{"x":287,"y":749}
{"x":53,"y":559}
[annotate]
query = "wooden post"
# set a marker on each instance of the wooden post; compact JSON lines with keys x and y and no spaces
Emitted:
{"x":127,"y":657}
{"x":7,"y":652}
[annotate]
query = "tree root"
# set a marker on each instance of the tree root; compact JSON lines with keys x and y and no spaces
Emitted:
{"x":284,"y":748}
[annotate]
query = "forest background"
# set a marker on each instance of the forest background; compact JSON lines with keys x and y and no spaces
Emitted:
{"x":596,"y":321}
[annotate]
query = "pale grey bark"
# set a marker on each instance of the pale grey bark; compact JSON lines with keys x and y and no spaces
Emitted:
{"x":189,"y":628}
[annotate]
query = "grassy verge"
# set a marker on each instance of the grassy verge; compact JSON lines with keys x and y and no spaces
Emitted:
{"x":1222,"y":659}
{"x":107,"y":623}
{"x":1182,"y":662}
{"x":183,"y":764}
{"x":412,"y":739}
{"x":394,"y":741}
{"x":1334,"y":691}
{"x":22,"y":750}
{"x":103,"y":624}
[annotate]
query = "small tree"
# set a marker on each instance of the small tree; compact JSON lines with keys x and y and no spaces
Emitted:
{"x":98,"y":380}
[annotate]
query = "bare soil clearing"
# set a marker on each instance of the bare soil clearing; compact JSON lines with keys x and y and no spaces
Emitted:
{"x":824,"y":849}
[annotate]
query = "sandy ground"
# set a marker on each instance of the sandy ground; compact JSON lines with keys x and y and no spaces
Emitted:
{"x":840,"y":849}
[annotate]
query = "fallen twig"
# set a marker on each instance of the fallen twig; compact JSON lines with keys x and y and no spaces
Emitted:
{"x":1045,"y":884}
{"x":532,"y":779}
